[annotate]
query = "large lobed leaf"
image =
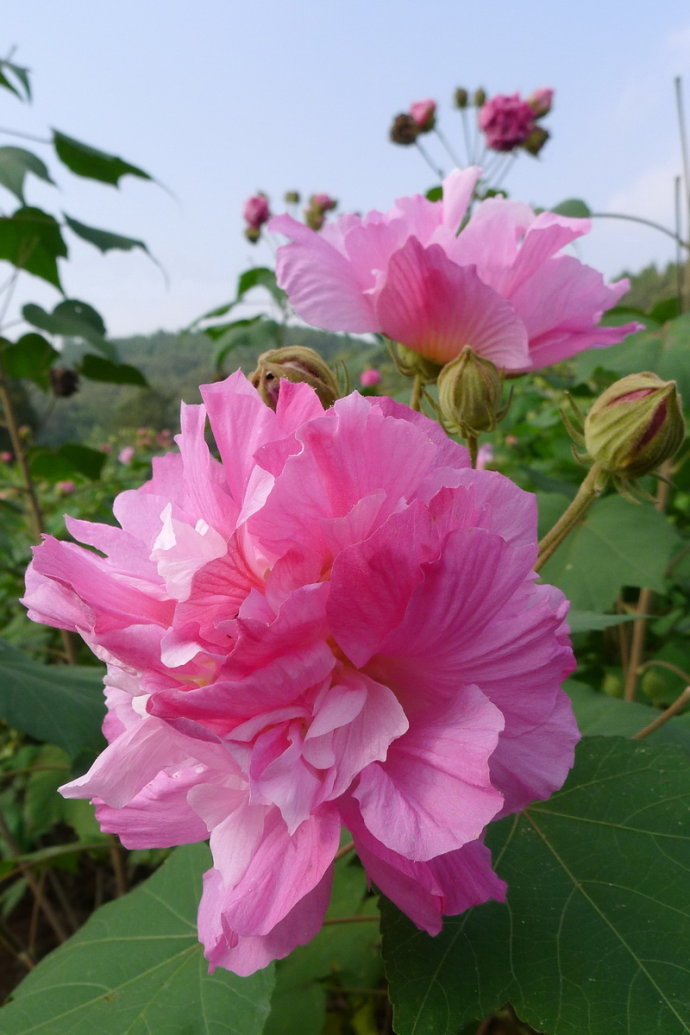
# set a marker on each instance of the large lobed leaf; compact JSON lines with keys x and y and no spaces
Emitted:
{"x":136,"y":966}
{"x":15,"y":163}
{"x":84,"y":160}
{"x":59,"y":704}
{"x":663,"y":350}
{"x":603,"y":553}
{"x":595,"y":936}
{"x":30,"y":239}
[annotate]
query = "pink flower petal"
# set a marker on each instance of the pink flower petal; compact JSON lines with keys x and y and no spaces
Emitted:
{"x":436,"y":307}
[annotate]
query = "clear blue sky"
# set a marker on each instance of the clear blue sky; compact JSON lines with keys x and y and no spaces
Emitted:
{"x":219,"y":98}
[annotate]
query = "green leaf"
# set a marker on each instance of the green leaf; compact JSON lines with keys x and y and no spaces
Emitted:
{"x":589,"y":621}
{"x":260,"y":334}
{"x":58,"y":704}
{"x":31,"y":240}
{"x":434,"y":193}
{"x":340,"y":956}
{"x":136,"y":967}
{"x":259,"y":276}
{"x":603,"y":553}
{"x":663,"y":350}
{"x":574,"y":208}
{"x":595,"y":936}
{"x":67,"y":460}
{"x":599,"y":715}
{"x":15,"y":163}
{"x":96,"y":368}
{"x":84,"y":160}
{"x":71,"y":319}
{"x":104,"y":240}
{"x":31,"y":357}
{"x":22,"y":86}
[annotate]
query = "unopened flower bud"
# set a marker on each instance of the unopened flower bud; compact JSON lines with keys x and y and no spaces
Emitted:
{"x":252,"y":234}
{"x":413,"y":364}
{"x":479,"y":97}
{"x":461,"y":97}
{"x":540,"y":101}
{"x":64,"y":382}
{"x":292,"y":197}
{"x":404,"y":130}
{"x":295,"y":363}
{"x":536,"y":140}
{"x":424,"y":114}
{"x":635,"y":425}
{"x":469,"y":394}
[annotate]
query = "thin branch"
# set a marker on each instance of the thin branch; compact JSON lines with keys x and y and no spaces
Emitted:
{"x":673,"y":709}
{"x":25,"y":136}
{"x":644,"y":601}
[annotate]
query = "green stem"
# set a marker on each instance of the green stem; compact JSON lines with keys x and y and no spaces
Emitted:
{"x":416,"y":397}
{"x":589,"y":490}
{"x":673,"y":709}
{"x":473,"y":446}
{"x":645,"y":222}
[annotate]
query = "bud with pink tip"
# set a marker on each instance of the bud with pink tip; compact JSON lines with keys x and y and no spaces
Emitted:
{"x":256,"y":211}
{"x":369,"y":378}
{"x":541,"y":101}
{"x":424,"y":114}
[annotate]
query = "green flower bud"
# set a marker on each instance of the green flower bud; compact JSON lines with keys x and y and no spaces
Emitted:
{"x":479,"y":98}
{"x":469,"y":394}
{"x":295,"y":363}
{"x":292,"y":197}
{"x":252,"y":233}
{"x":635,"y":425}
{"x":412,"y":364}
{"x":536,"y":140}
{"x":461,"y":97}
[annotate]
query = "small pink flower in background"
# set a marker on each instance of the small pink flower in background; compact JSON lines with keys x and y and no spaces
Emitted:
{"x":165,"y":438}
{"x":106,"y":447}
{"x":499,"y":285}
{"x":541,"y":101}
{"x":6,"y":456}
{"x":369,"y":378}
{"x":424,"y":114}
{"x":126,"y":454}
{"x":511,"y":440}
{"x":335,"y":623}
{"x":315,"y":212}
{"x":65,"y":488}
{"x":256,"y":211}
{"x":323,"y":201}
{"x":506,"y":121}
{"x":485,"y":455}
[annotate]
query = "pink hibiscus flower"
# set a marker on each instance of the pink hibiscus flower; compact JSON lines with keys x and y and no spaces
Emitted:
{"x":506,"y":121}
{"x":413,"y":274}
{"x":336,"y":623}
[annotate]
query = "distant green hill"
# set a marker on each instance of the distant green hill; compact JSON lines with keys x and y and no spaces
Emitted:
{"x":175,"y":366}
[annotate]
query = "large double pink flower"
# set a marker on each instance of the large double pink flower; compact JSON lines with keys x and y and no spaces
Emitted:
{"x":417,"y":275}
{"x":335,"y":623}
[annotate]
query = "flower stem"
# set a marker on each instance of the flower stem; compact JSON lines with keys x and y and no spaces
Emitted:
{"x":34,"y":512}
{"x":644,"y":602}
{"x":472,"y":445}
{"x":673,"y":709}
{"x":416,"y":397}
{"x":591,"y":487}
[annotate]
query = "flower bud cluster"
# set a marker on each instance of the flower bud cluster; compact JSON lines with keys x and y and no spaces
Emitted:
{"x":315,"y":212}
{"x":509,"y":122}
